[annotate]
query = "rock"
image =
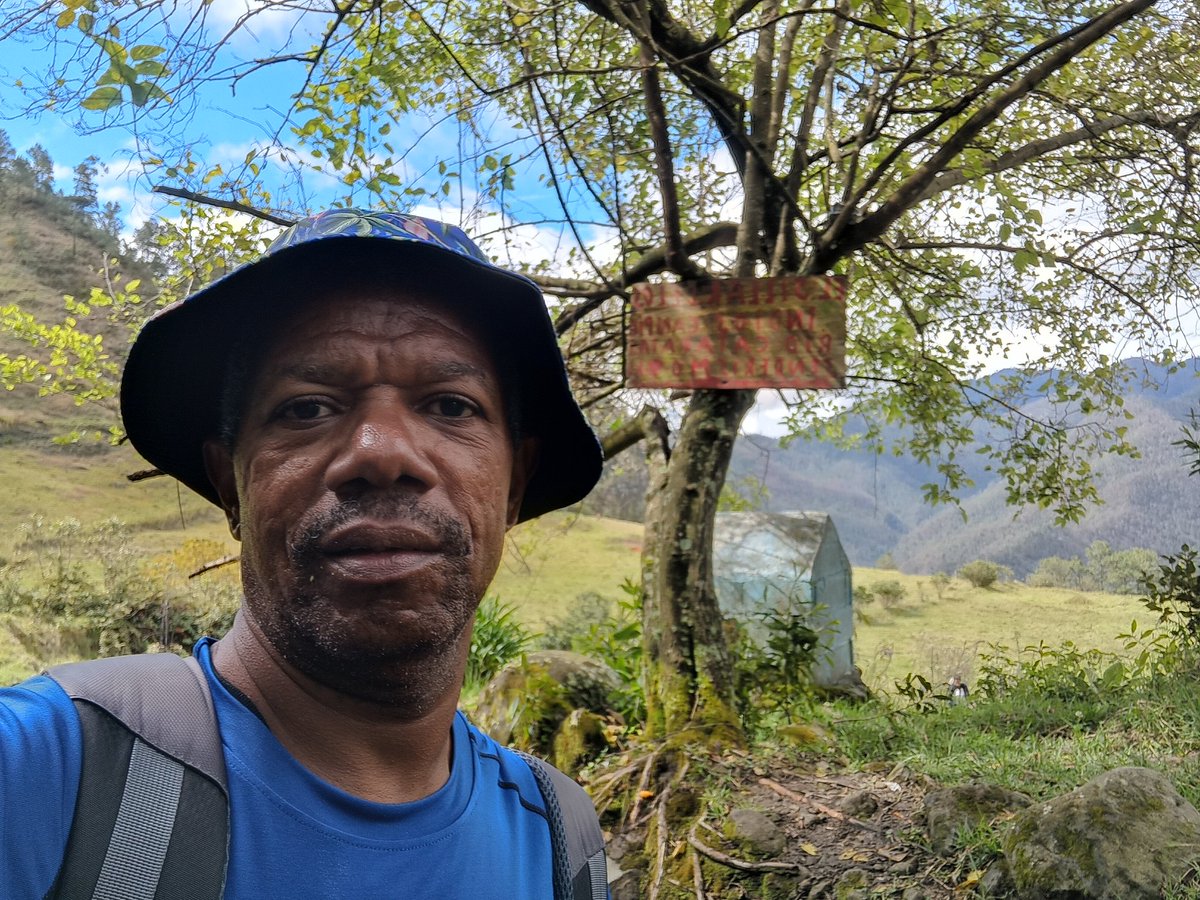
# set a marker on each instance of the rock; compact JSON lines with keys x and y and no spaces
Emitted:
{"x":627,"y":887}
{"x":756,"y":830}
{"x":580,"y":737}
{"x":905,"y":867}
{"x":1122,"y":836}
{"x":849,"y":685}
{"x":853,"y":884}
{"x":859,"y":804}
{"x":527,"y":703}
{"x":997,"y":881}
{"x":949,"y":810}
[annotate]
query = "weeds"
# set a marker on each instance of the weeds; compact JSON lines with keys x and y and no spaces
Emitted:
{"x":498,"y":639}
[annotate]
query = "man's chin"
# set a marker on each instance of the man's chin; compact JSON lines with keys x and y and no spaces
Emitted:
{"x":401,"y":674}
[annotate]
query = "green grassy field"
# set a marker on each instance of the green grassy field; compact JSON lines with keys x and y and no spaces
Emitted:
{"x":942,"y":636}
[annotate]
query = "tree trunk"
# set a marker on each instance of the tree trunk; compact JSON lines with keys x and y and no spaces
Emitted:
{"x":689,"y":680}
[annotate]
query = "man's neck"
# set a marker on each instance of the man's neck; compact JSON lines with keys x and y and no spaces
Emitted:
{"x":364,"y":748}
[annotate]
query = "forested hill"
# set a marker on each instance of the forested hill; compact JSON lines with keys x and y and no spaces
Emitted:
{"x":55,"y":242}
{"x":876,"y":501}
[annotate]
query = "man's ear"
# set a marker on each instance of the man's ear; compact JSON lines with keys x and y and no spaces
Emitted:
{"x":525,"y":460}
{"x":218,"y":464}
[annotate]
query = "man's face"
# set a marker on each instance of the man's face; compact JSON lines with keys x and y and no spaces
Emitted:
{"x":372,"y":482}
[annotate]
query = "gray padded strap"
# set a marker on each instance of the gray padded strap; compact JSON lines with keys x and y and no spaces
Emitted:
{"x":580,"y":866}
{"x":597,"y":877}
{"x":134,"y":861}
{"x":160,"y":697}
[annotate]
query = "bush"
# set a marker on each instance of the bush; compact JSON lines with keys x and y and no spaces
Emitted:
{"x":94,"y":578}
{"x":941,"y":584}
{"x":890,"y":593}
{"x":617,"y":641}
{"x":981,"y":573}
{"x":863,"y":595}
{"x":775,"y":675}
{"x":1174,"y":593}
{"x":498,"y":639}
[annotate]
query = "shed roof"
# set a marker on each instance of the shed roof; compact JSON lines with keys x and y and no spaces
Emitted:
{"x":759,"y":540}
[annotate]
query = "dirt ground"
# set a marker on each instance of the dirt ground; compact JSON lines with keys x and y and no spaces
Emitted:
{"x":846,"y":834}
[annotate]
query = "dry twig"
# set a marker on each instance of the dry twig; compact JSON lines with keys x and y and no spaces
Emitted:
{"x":743,"y":865}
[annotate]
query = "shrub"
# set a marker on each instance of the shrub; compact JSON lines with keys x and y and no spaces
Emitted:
{"x":586,"y":611}
{"x":981,"y":573}
{"x":498,"y":639}
{"x":890,"y":593}
{"x":775,"y":675}
{"x":863,"y":595}
{"x":93,"y":577}
{"x":941,"y":583}
{"x":1174,"y":593}
{"x":617,"y":641}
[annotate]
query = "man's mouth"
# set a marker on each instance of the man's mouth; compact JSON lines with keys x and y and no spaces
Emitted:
{"x":378,"y":552}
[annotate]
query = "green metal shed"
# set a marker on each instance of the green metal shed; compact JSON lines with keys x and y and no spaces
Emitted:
{"x":778,"y":560}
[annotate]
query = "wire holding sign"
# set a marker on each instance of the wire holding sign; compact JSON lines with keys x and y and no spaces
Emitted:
{"x":739,"y":333}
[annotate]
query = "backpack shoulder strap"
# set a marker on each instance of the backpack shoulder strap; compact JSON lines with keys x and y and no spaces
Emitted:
{"x":152,"y":814}
{"x":580,"y":866}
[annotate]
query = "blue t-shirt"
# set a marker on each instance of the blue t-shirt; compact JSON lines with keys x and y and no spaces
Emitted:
{"x":481,"y":835}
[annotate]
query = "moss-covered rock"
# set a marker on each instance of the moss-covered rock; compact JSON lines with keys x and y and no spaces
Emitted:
{"x":950,"y":810}
{"x":1122,"y":836}
{"x":553,"y":703}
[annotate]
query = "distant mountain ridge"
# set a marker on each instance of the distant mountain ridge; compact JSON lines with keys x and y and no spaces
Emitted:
{"x":877,"y":506}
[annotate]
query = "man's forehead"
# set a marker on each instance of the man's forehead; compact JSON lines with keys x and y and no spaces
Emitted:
{"x":327,"y":370}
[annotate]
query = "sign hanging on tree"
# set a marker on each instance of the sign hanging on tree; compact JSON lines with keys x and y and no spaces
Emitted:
{"x":739,"y":333}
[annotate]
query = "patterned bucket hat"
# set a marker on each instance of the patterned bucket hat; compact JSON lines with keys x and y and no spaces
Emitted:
{"x":173,"y":383}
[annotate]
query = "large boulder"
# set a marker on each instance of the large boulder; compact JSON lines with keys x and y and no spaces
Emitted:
{"x":1122,"y":836}
{"x":553,"y":703}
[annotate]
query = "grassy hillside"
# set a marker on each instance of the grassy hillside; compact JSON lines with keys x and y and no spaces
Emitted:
{"x":943,"y":636}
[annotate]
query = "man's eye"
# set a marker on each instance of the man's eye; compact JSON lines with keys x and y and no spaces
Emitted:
{"x":304,"y":409}
{"x":452,"y":407}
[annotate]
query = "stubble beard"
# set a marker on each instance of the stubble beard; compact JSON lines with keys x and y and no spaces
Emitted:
{"x":410,"y":672}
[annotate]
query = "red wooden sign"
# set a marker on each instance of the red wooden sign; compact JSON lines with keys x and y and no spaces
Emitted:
{"x":739,"y":333}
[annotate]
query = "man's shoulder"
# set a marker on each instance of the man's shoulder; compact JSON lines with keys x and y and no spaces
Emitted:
{"x":37,"y":705}
{"x":40,"y":758}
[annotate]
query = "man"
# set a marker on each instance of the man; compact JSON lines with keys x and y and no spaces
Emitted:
{"x":373,"y":405}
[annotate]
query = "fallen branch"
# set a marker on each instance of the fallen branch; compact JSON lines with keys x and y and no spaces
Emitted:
{"x":661,"y":857}
{"x":740,"y":864}
{"x":143,"y":474}
{"x":801,"y":800}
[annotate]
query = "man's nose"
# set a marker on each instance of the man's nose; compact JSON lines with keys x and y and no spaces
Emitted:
{"x":382,"y":444}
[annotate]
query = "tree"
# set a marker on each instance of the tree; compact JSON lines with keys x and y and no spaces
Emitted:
{"x":86,"y":194}
{"x":7,"y":152}
{"x":977,"y":169}
{"x":42,"y":167}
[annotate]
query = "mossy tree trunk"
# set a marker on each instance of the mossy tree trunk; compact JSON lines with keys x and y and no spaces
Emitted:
{"x":689,"y":681}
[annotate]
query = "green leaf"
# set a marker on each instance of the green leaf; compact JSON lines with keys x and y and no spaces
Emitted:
{"x":139,"y":93}
{"x":147,"y":51}
{"x":151,"y":68}
{"x":102,"y":98}
{"x":65,"y":19}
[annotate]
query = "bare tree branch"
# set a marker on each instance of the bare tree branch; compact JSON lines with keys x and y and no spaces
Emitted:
{"x":231,"y":205}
